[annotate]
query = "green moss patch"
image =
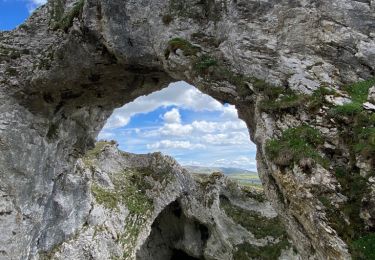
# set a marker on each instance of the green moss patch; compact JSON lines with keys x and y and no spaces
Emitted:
{"x":294,"y":145}
{"x":353,"y":231}
{"x":93,"y":153}
{"x":129,"y":189}
{"x":364,"y":247}
{"x":253,"y":221}
{"x":247,"y":251}
{"x":287,"y":100}
{"x":185,"y":46}
{"x":66,"y":21}
{"x":358,"y":125}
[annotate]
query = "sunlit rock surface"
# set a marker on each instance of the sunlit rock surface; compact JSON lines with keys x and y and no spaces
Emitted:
{"x":148,"y":207}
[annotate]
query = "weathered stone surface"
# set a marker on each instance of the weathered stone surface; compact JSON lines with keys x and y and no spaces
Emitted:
{"x":149,"y":207}
{"x":65,"y":70}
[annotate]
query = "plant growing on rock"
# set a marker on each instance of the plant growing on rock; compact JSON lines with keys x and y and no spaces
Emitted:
{"x":66,"y":21}
{"x":294,"y":145}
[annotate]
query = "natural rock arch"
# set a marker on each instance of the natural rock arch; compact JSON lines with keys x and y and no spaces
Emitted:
{"x":73,"y":62}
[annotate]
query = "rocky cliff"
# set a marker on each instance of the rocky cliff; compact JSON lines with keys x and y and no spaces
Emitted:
{"x":288,"y":66}
{"x":148,"y":207}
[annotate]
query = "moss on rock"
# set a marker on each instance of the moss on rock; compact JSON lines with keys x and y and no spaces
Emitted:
{"x":294,"y":145}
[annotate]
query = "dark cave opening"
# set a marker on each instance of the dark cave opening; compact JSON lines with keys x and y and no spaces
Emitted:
{"x":174,"y":236}
{"x":181,"y":255}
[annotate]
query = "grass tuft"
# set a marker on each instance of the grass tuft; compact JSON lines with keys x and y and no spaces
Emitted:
{"x":294,"y":145}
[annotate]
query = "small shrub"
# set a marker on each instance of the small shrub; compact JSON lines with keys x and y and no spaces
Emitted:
{"x":366,"y":142}
{"x":186,"y":47}
{"x":294,"y":145}
{"x":347,"y":110}
{"x":204,"y":63}
{"x":359,"y":91}
{"x":317,"y":99}
{"x":286,"y":101}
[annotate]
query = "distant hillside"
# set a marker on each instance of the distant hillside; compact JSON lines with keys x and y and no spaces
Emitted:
{"x":243,"y":177}
{"x":209,"y":170}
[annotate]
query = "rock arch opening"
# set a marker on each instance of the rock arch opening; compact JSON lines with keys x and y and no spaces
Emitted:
{"x":201,"y":133}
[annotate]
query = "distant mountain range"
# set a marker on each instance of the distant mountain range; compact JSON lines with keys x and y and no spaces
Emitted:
{"x":224,"y":170}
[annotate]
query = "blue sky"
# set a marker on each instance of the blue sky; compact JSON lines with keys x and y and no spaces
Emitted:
{"x":183,"y":122}
{"x":15,"y":12}
{"x":179,"y":120}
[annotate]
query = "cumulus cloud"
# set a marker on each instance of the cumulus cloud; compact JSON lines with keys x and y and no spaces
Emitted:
{"x":213,"y":137}
{"x":169,"y":144}
{"x":172,"y":117}
{"x":174,"y":130}
{"x":178,"y":94}
{"x":232,"y":138}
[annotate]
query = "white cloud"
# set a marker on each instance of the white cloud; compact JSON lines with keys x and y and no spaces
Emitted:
{"x":169,"y":144}
{"x":174,"y":130}
{"x":215,"y":137}
{"x":39,"y":2}
{"x":33,"y":4}
{"x":172,"y":117}
{"x":178,"y":94}
{"x":232,"y":138}
{"x":230,"y":112}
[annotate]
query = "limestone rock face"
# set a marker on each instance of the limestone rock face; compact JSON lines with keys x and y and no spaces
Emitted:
{"x":64,"y":71}
{"x":148,"y":207}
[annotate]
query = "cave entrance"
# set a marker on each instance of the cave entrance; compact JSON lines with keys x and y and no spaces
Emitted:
{"x":175,"y":237}
{"x":201,"y":133}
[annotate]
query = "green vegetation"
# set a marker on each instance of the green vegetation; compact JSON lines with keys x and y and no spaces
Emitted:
{"x":94,"y":152}
{"x":186,"y":47}
{"x":261,"y":227}
{"x":364,"y":247}
{"x":129,"y":189}
{"x":204,"y":63}
{"x":247,"y":251}
{"x":359,"y":124}
{"x":358,"y":93}
{"x":66,"y":21}
{"x":353,"y":231}
{"x":288,"y":99}
{"x":317,"y":99}
{"x":105,"y":197}
{"x":294,"y":145}
{"x":254,"y":192}
{"x":253,"y":221}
